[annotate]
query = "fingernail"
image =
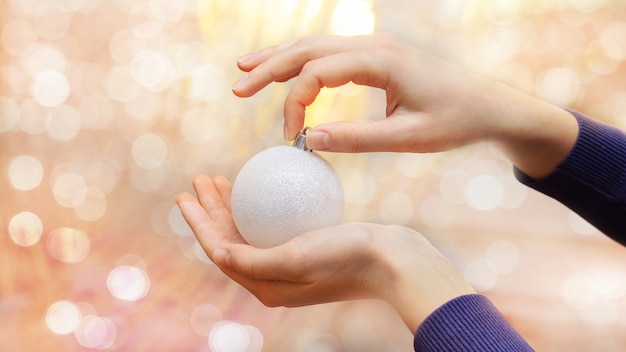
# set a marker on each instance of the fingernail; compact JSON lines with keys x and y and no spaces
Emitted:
{"x":245,"y":58}
{"x":240,"y":83}
{"x":318,"y":140}
{"x":221,"y":257}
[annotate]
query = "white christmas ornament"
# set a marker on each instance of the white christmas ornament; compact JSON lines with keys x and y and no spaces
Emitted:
{"x":283,"y":192}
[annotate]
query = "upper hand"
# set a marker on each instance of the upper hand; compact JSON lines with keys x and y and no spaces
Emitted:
{"x":427,"y":99}
{"x":432,"y":106}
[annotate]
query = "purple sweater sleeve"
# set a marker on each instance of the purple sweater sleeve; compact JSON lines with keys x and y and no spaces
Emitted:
{"x":591,"y":180}
{"x":468,"y":323}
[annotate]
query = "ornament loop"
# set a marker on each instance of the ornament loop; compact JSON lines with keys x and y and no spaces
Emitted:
{"x":300,"y":141}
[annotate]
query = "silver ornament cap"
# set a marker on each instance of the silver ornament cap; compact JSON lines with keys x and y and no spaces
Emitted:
{"x":300,"y":141}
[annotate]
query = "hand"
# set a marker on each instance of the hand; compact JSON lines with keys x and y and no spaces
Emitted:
{"x":432,"y":106}
{"x":344,"y":262}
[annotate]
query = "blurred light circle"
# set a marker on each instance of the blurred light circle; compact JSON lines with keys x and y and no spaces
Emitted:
{"x":64,"y":123}
{"x":178,"y":224}
{"x":197,"y":127}
{"x":597,"y":60}
{"x":9,"y":113}
{"x":228,"y":336}
{"x":71,"y":5}
{"x":128,"y":283}
{"x":101,"y":175}
{"x":93,"y":207}
{"x":580,"y":225}
{"x":503,"y":256}
{"x":612,"y":40}
{"x":414,"y":165}
{"x":503,"y":12}
{"x":256,"y":339}
{"x":69,"y":190}
{"x":33,"y":118}
{"x":353,"y":17}
{"x":25,"y":229}
{"x":25,"y":172}
{"x":96,"y":112}
{"x":200,"y":254}
{"x":515,"y":194}
{"x":117,"y":153}
{"x":146,"y":108}
{"x":204,"y":83}
{"x":167,"y":11}
{"x":609,"y":281}
{"x":189,"y":55}
{"x":132,"y":260}
{"x":121,"y":86}
{"x":18,"y":36}
{"x":587,"y":6}
{"x":559,"y":86}
{"x":96,"y":332}
{"x":484,"y":192}
{"x":323,"y":343}
{"x":142,"y":21}
{"x":45,"y":57}
{"x":159,"y":218}
{"x":124,"y":44}
{"x":63,"y":317}
{"x":499,"y":45}
{"x":452,"y":13}
{"x":187,"y":246}
{"x":576,"y":292}
{"x":51,"y":88}
{"x":359,"y":334}
{"x":23,"y":8}
{"x":147,"y":180}
{"x":452,"y":184}
{"x":480,"y":274}
{"x":149,"y":69}
{"x":50,"y":20}
{"x":149,"y":151}
{"x":436,"y":212}
{"x":396,"y":208}
{"x":359,"y":186}
{"x":68,"y":245}
{"x":203,"y":317}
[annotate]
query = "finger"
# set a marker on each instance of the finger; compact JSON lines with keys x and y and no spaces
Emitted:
{"x":392,"y":134}
{"x":268,"y":264}
{"x":332,"y":71}
{"x":281,"y":63}
{"x":214,"y":197}
{"x":250,"y":61}
{"x":201,"y":224}
{"x":224,"y":189}
{"x":210,"y":198}
{"x":271,"y":292}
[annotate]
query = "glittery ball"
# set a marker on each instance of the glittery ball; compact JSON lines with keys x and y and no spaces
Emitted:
{"x":283,"y":192}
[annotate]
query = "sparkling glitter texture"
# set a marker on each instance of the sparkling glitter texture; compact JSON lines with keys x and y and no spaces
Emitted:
{"x":283,"y":192}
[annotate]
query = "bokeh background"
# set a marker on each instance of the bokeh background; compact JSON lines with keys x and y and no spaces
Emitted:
{"x":109,"y":108}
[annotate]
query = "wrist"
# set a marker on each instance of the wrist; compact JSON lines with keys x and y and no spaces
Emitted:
{"x":420,"y":278}
{"x":534,"y":135}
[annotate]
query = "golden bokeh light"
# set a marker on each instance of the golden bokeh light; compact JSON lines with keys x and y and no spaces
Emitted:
{"x":108,"y":109}
{"x":353,"y":17}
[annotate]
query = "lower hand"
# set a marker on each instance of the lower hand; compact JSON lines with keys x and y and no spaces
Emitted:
{"x":338,"y":263}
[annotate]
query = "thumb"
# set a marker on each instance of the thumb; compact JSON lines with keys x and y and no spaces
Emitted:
{"x":251,"y":262}
{"x":392,"y":134}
